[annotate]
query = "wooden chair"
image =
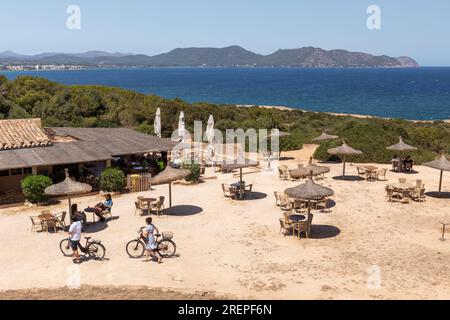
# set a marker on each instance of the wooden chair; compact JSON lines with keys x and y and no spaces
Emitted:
{"x":303,"y":226}
{"x":285,"y":227}
{"x":283,"y":172}
{"x":248,"y":187}
{"x":323,"y":203}
{"x":229,"y":192}
{"x":158,"y":206}
{"x":405,"y":196}
{"x":418,"y":194}
{"x":277,"y":198}
{"x":361,"y":171}
{"x":419,"y":183}
{"x":299,"y":205}
{"x":381,"y":173}
{"x":402,"y":180}
{"x":389,"y":193}
{"x":140,"y":207}
{"x":36,"y":223}
{"x":285,"y":202}
{"x":61,"y":219}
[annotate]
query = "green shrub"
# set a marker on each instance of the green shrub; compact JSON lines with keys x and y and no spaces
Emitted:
{"x":112,"y":180}
{"x":33,"y":188}
{"x":195,"y":172}
{"x":160,"y":165}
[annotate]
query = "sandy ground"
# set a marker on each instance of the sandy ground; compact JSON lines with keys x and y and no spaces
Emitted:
{"x":232,"y":248}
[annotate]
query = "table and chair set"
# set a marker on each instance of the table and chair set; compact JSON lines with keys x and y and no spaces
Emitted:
{"x":236,"y":190}
{"x":372,"y":173}
{"x":149,"y":205}
{"x":404,"y":191}
{"x":47,"y":221}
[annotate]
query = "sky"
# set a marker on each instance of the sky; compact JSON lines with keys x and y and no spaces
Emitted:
{"x":416,"y":28}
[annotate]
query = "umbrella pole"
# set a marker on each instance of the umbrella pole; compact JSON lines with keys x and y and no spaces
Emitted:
{"x":309,"y":207}
{"x":343,"y":169}
{"x":240,"y":176}
{"x":440,"y":181}
{"x":170,"y":196}
{"x":70,"y":208}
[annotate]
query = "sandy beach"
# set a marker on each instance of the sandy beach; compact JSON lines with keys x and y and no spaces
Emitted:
{"x":233,"y":249}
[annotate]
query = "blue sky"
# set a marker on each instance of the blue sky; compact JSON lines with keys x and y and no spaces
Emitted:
{"x":417,"y":28}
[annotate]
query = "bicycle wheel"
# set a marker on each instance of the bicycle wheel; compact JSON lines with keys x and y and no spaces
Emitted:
{"x":96,"y":250}
{"x":167,"y":248}
{"x":135,"y":249}
{"x":65,"y":247}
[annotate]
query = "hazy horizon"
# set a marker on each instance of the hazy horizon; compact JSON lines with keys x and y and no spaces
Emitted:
{"x":412,"y":28}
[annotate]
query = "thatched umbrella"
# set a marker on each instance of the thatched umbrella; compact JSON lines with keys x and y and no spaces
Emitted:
{"x":310,"y":169}
{"x":68,"y":188}
{"x":401,"y":146}
{"x":168,"y":175}
{"x":344,"y":150}
{"x":325,"y":137}
{"x":309,"y":191}
{"x":239,"y":164}
{"x":440,"y":163}
{"x":157,"y":123}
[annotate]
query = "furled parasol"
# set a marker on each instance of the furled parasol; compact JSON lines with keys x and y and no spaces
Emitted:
{"x":325,"y":137}
{"x":168,"y":175}
{"x":68,"y":188}
{"x":344,"y":150}
{"x":440,"y":163}
{"x":157,"y":123}
{"x":181,"y":127}
{"x":309,"y":191}
{"x":401,"y":146}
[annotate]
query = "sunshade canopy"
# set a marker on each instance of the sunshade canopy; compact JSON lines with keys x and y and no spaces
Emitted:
{"x":440,"y":163}
{"x":309,"y":191}
{"x":325,"y":137}
{"x":170,"y":174}
{"x":401,"y":146}
{"x":68,"y":187}
{"x":344,"y":149}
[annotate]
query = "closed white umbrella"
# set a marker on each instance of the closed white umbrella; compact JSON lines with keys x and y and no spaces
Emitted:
{"x":181,"y":126}
{"x":210,"y":130}
{"x":157,"y":123}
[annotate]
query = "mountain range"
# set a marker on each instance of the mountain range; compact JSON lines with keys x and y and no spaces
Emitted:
{"x":308,"y":57}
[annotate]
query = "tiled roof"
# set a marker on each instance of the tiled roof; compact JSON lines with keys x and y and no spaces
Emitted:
{"x":22,"y":133}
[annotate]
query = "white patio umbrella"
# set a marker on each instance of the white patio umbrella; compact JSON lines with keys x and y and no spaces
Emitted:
{"x":157,"y":123}
{"x":210,"y":137}
{"x":181,"y":126}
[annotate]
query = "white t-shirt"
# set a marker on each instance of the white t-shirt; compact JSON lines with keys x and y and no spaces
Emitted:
{"x":75,"y":230}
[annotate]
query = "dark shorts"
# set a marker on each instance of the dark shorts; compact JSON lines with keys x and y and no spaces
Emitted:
{"x":74,"y":244}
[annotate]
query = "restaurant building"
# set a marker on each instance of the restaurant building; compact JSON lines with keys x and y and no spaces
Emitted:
{"x":26,"y":147}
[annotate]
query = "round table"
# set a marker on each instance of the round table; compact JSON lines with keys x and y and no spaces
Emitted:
{"x":402,"y":186}
{"x":148,"y":201}
{"x":297,"y":217}
{"x":48,"y":220}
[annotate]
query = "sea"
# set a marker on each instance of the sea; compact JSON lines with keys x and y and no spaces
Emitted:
{"x":409,"y":93}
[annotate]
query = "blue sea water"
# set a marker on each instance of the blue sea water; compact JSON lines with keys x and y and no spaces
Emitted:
{"x":416,"y":93}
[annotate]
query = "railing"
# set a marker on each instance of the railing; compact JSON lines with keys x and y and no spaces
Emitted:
{"x":138,"y":182}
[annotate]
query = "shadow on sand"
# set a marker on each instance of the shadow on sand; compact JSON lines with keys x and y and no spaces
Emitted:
{"x":254,"y":196}
{"x":437,"y":194}
{"x":183,"y":210}
{"x":321,"y":231}
{"x":349,"y":178}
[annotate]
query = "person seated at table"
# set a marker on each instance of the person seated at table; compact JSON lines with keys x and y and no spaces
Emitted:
{"x":78,"y":215}
{"x":103,"y":206}
{"x":408,"y":163}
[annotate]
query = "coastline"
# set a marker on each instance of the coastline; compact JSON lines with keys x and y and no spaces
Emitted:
{"x":354,"y":115}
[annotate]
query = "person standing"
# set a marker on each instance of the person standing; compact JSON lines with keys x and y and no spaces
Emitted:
{"x":75,"y":236}
{"x":150,"y":245}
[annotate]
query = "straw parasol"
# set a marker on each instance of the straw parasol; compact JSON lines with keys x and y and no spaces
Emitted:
{"x":168,"y":175}
{"x":157,"y":123}
{"x":239,"y":164}
{"x":344,"y":150}
{"x":440,"y":163}
{"x":181,"y":127}
{"x":309,"y":191}
{"x":401,"y":146}
{"x":68,"y":188}
{"x":310,"y":169}
{"x":325,"y":137}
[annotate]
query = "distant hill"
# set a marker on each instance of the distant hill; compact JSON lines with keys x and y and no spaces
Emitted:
{"x":308,"y":57}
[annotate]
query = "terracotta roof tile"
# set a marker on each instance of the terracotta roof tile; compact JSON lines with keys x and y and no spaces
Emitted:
{"x":22,"y":133}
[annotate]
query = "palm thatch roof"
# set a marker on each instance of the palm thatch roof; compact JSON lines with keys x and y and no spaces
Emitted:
{"x":309,"y":191}
{"x":401,"y":146}
{"x":170,"y":174}
{"x":68,"y":187}
{"x":325,"y":137}
{"x":344,"y":149}
{"x":440,"y":163}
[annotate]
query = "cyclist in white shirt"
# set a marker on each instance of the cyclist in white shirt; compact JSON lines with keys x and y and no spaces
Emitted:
{"x":75,"y":236}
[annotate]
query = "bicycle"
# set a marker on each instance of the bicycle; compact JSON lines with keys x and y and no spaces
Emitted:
{"x":94,"y":248}
{"x":165,"y":246}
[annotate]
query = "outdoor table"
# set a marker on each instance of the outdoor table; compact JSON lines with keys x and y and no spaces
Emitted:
{"x":46,"y":218}
{"x":297,"y":217}
{"x":371,"y":172}
{"x":148,"y":201}
{"x":402,"y":186}
{"x":239,"y":187}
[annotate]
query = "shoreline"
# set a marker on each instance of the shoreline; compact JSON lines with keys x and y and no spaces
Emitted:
{"x":354,"y":115}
